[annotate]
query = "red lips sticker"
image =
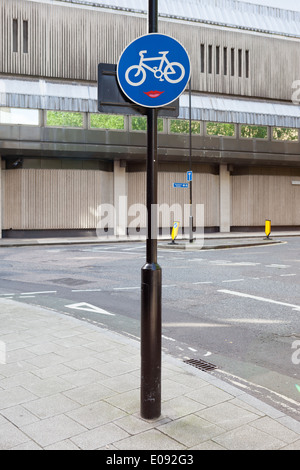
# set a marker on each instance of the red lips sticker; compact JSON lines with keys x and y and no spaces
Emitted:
{"x":153,"y":94}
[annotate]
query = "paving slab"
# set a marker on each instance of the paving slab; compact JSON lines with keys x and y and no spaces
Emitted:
{"x":75,"y":395}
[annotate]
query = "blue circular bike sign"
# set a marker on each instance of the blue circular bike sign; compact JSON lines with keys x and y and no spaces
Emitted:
{"x":153,"y":70}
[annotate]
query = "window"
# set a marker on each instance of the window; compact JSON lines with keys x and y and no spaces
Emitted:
{"x":218,"y":60}
{"x":232,"y":62}
{"x":15,"y":36}
{"x":19,"y":116}
{"x":202,"y":58}
{"x":285,"y":133}
{"x":64,"y":119}
{"x":240,"y":62}
{"x":140,"y":124}
{"x":247,"y":57}
{"x":182,"y":126}
{"x":225,"y":60}
{"x":220,"y":129}
{"x":107,"y":121}
{"x":254,"y":132}
{"x":25,"y":37}
{"x":209,"y":59}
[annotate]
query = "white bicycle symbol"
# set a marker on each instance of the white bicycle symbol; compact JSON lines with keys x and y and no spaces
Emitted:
{"x":171,"y":68}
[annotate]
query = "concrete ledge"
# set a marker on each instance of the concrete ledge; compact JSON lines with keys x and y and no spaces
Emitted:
{"x":211,"y":240}
{"x":218,"y":244}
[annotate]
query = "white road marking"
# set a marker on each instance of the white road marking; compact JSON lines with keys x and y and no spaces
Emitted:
{"x":40,"y":292}
{"x":130,"y":334}
{"x":89,"y":308}
{"x":280,"y":266}
{"x":276,"y":398}
{"x":126,"y":288}
{"x":86,"y":290}
{"x":167,"y":337}
{"x":234,"y":280}
{"x":194,"y":325}
{"x":233,"y":263}
{"x":255,"y":297}
{"x":256,"y":321}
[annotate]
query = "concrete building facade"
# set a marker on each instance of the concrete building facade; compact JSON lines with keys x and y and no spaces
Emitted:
{"x":63,"y":164}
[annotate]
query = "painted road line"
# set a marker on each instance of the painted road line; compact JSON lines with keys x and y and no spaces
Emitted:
{"x":255,"y":297}
{"x":250,"y":387}
{"x":234,"y":280}
{"x":279,"y":266}
{"x":126,"y":288}
{"x":256,"y":321}
{"x":168,"y":338}
{"x":193,"y":325}
{"x":86,"y":290}
{"x":287,"y":275}
{"x":40,"y":292}
{"x":89,"y":308}
{"x":130,"y":334}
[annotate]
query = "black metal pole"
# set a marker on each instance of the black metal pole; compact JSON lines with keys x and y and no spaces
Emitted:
{"x":190,"y":160}
{"x":151,"y":273}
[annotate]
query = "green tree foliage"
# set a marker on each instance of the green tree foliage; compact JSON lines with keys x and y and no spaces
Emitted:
{"x":220,"y":129}
{"x":64,"y":119}
{"x":107,"y":121}
{"x":285,"y":133}
{"x":139,"y":123}
{"x":254,"y":132}
{"x":182,"y":126}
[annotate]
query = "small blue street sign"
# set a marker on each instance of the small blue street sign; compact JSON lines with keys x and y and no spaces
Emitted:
{"x":153,"y":70}
{"x":180,"y":185}
{"x":189,"y":176}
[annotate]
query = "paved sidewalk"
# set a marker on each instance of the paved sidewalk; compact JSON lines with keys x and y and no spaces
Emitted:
{"x":66,"y":384}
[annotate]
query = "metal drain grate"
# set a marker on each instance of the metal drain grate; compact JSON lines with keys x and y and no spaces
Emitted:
{"x":200,"y":364}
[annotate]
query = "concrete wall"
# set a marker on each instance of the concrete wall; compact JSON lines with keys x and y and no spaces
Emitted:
{"x":70,"y":199}
{"x":54,"y":199}
{"x":68,"y":42}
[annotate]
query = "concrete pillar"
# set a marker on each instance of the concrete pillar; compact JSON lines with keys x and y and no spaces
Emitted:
{"x":2,"y":165}
{"x":225,"y":199}
{"x":120,"y":199}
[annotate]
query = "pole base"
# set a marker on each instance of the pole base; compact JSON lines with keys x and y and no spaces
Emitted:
{"x":151,"y":341}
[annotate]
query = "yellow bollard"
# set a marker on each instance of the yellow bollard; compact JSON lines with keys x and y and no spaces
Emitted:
{"x":268,"y":228}
{"x":175,"y":231}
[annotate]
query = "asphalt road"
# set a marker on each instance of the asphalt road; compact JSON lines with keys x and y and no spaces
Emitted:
{"x":236,"y":308}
